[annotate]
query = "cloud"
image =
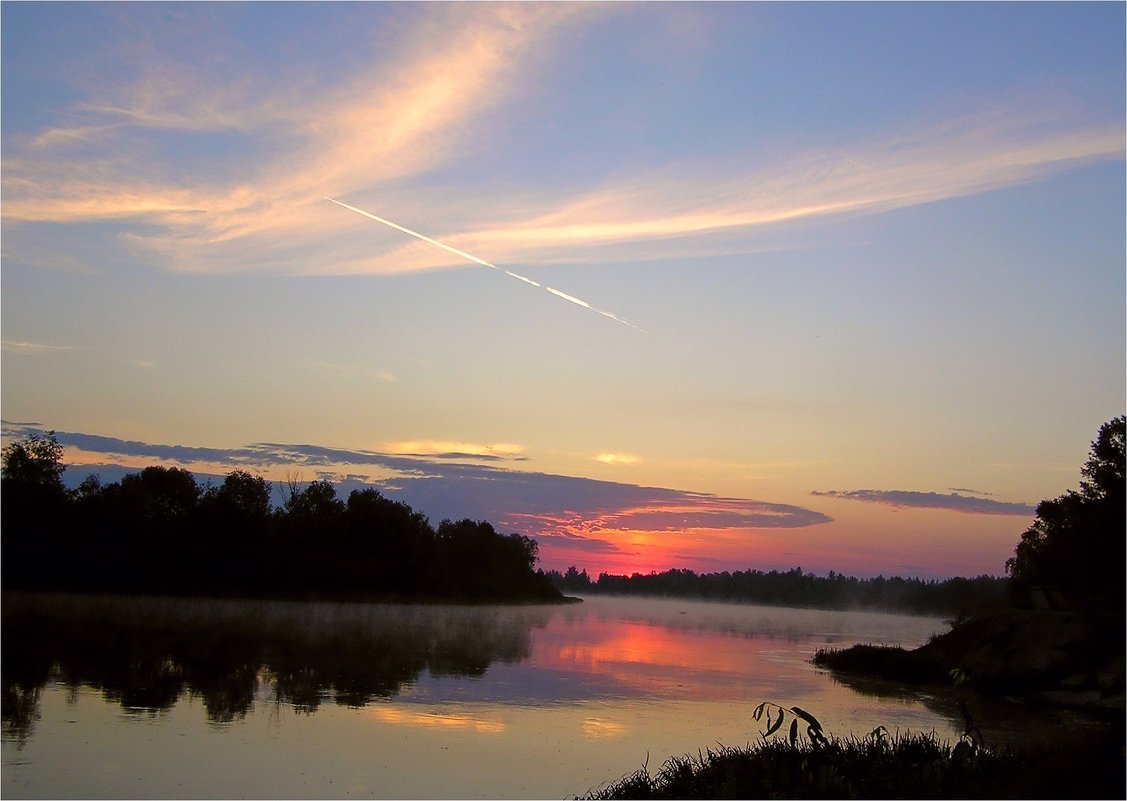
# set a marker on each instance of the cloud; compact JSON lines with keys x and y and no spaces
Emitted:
{"x":431,"y":102}
{"x":670,"y":210}
{"x":32,"y":347}
{"x":351,"y":370}
{"x":421,"y":102}
{"x":446,"y":449}
{"x":53,"y":138}
{"x":710,"y":208}
{"x":658,"y":511}
{"x":954,"y":501}
{"x":618,"y":458}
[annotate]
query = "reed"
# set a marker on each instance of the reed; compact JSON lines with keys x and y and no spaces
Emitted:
{"x":812,"y":764}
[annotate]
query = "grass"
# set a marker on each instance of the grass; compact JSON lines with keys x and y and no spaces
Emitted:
{"x":884,"y":766}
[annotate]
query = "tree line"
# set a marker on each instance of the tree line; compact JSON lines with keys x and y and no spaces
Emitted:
{"x":794,"y":587}
{"x":158,"y":531}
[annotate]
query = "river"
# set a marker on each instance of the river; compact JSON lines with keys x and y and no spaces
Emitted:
{"x":165,"y":698}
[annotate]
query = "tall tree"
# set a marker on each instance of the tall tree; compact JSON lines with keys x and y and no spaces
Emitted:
{"x":1077,"y":544}
{"x":37,"y":460}
{"x":38,"y":534}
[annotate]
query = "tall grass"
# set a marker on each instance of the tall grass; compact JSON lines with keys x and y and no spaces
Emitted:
{"x":881,"y":765}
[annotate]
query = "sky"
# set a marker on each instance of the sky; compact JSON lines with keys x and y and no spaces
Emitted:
{"x":717,"y":286}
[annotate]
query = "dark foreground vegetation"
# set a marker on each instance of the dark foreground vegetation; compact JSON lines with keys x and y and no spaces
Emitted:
{"x":158,"y":532}
{"x":955,"y":596}
{"x":881,"y":765}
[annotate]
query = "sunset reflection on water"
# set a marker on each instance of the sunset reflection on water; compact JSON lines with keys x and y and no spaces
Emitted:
{"x":402,"y":717}
{"x":649,"y":660}
{"x":426,"y":702}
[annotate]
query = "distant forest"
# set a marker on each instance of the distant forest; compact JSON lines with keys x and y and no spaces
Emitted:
{"x":159,"y":532}
{"x":955,"y":596}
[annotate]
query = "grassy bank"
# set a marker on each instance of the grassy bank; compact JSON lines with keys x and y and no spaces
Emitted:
{"x":883,"y":766}
{"x":1060,"y":657}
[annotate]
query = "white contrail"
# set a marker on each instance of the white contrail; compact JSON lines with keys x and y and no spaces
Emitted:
{"x":484,"y":263}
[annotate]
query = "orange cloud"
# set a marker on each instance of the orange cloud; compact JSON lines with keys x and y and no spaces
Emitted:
{"x":617,"y":458}
{"x":421,"y":105}
{"x":450,"y":448}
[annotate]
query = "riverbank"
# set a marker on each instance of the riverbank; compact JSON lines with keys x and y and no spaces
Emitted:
{"x":883,"y":766}
{"x":1040,"y":656}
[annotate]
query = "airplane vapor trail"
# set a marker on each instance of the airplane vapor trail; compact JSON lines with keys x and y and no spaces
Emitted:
{"x":484,"y":263}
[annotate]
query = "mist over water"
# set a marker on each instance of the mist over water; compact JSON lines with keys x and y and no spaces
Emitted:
{"x":132,"y":697}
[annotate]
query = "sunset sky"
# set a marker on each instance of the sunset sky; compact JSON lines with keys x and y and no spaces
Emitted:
{"x":861,"y":268}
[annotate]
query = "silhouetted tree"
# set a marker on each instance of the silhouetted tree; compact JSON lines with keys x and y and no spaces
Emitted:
{"x":152,"y":513}
{"x":1077,"y":545}
{"x":575,"y":580}
{"x":161,"y":494}
{"x":244,"y":494}
{"x":480,"y":564}
{"x":307,"y":530}
{"x":232,"y":528}
{"x":389,"y":545}
{"x":36,"y":460}
{"x":37,"y":532}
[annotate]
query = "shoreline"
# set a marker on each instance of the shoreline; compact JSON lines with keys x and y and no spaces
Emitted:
{"x":1060,"y":658}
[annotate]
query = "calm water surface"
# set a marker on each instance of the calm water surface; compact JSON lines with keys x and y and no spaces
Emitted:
{"x":151,"y":698}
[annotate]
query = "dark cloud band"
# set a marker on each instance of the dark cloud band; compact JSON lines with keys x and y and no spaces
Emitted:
{"x":932,"y":500}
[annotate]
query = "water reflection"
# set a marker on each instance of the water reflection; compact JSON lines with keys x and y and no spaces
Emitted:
{"x":1001,"y":721}
{"x":693,"y":650}
{"x":598,"y":729}
{"x":474,"y":723}
{"x":145,"y":654}
{"x":412,"y":701}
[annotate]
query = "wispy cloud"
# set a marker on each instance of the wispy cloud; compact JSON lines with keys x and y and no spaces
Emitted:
{"x":964,"y":157}
{"x":447,"y":449}
{"x":667,"y":510}
{"x":430,"y":103}
{"x":953,"y":501}
{"x":351,"y":370}
{"x":618,"y":458}
{"x":422,"y":102}
{"x":32,"y":347}
{"x":969,"y":491}
{"x":54,"y":138}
